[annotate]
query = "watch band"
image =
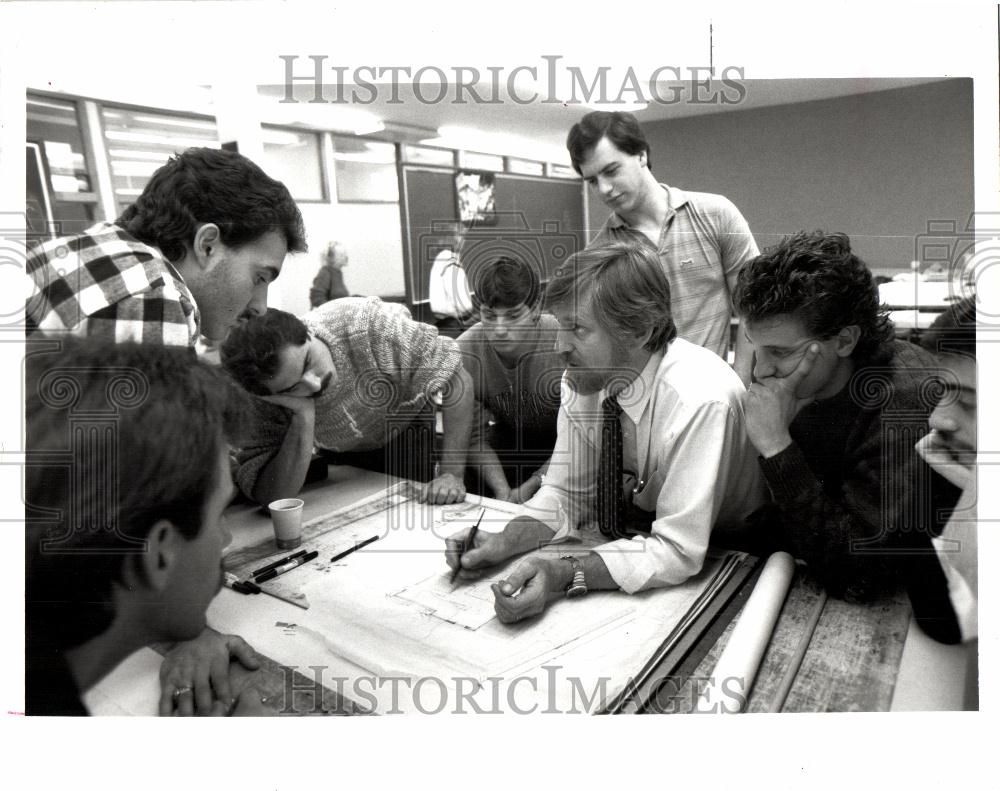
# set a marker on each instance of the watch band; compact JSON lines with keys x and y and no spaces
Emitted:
{"x":578,"y":585}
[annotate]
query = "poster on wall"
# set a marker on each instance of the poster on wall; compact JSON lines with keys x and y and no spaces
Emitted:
{"x":476,"y":202}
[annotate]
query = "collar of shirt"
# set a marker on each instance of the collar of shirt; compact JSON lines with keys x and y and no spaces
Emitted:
{"x":675,"y":199}
{"x":634,"y":398}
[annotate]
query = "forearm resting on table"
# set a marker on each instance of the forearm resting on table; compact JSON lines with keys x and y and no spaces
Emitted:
{"x":285,"y":474}
{"x":525,"y":534}
{"x":456,"y":416}
{"x":485,"y":460}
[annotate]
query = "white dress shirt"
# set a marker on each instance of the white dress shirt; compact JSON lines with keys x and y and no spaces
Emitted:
{"x":684,"y":437}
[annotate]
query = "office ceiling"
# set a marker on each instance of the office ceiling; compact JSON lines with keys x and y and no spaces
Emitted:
{"x":547,"y":123}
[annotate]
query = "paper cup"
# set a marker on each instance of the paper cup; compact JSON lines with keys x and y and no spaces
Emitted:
{"x":286,"y":515}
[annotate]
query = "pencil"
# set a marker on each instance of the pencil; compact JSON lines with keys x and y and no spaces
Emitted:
{"x":468,"y":545}
{"x":355,"y":548}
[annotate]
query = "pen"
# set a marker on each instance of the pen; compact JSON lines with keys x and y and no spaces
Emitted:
{"x":279,"y":562}
{"x":240,"y":586}
{"x":286,"y":567}
{"x":467,"y":545}
{"x":355,"y":548}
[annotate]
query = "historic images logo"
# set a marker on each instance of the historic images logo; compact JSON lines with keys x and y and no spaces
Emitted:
{"x":548,"y":82}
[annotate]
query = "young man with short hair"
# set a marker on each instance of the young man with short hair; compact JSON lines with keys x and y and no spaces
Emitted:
{"x":354,"y":377}
{"x":515,"y":370}
{"x":124,"y":548}
{"x":701,"y":239}
{"x":950,"y":449}
{"x":834,"y":409}
{"x":193,"y":255}
{"x":651,"y":444}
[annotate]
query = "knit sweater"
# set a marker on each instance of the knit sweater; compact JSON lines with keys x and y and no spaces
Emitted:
{"x":387,"y":368}
{"x":852,"y":497}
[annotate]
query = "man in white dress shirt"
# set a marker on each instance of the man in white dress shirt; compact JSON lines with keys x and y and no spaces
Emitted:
{"x":673,"y":409}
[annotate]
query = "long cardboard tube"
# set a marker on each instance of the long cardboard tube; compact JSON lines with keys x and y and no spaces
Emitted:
{"x":796,"y":661}
{"x":736,"y":669}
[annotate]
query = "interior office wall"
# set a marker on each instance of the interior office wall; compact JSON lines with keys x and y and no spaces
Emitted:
{"x":876,"y":166}
{"x":369,"y":231}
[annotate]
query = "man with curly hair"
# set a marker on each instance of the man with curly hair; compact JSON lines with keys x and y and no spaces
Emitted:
{"x":192,"y":256}
{"x":834,"y":410}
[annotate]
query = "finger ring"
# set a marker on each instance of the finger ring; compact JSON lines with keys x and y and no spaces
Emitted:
{"x":181,"y":690}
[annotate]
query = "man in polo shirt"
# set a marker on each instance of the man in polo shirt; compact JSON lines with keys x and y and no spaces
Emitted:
{"x":701,"y":239}
{"x":193,"y":255}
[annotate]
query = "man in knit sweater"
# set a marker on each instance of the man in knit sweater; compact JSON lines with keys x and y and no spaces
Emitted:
{"x":834,"y":411}
{"x":354,"y":377}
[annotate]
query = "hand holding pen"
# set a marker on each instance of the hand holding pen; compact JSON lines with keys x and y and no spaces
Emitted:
{"x":458,"y":546}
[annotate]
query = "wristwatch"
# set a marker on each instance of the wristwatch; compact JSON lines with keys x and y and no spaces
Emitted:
{"x":578,"y":586}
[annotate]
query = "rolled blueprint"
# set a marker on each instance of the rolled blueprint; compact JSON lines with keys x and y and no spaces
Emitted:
{"x":736,"y":669}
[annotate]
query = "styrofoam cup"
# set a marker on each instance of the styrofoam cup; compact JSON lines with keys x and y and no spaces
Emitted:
{"x":286,"y":516}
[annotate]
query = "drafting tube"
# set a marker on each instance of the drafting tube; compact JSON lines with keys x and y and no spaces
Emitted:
{"x":736,"y":669}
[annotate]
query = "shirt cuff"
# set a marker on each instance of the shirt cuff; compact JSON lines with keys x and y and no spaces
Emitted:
{"x":629,"y":565}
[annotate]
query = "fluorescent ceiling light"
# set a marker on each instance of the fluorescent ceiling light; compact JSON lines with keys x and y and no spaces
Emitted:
{"x":477,"y":141}
{"x":319,"y":116}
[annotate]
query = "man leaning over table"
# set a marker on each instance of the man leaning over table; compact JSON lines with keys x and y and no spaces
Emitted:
{"x":651,"y":445}
{"x":353,"y":377}
{"x":834,"y":409}
{"x":128,"y":553}
{"x":192,"y":257}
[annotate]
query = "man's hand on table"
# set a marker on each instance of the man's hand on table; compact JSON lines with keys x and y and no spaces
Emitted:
{"x":446,"y":488}
{"x":520,"y":535}
{"x":194,"y":676}
{"x":525,"y":591}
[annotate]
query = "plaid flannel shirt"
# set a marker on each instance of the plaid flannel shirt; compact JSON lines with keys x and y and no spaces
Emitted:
{"x":104,"y":283}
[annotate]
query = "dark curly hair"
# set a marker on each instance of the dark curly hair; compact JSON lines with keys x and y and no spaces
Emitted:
{"x":628,"y":291}
{"x":817,"y":279}
{"x":505,"y":282}
{"x":207,"y":185}
{"x":622,"y":129}
{"x":251,"y":351}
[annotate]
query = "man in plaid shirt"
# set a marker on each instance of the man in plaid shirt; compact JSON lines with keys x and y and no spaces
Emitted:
{"x":192,"y":256}
{"x":701,"y":239}
{"x":187,"y":261}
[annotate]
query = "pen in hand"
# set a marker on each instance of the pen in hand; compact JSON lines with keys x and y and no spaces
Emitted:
{"x":467,"y":546}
